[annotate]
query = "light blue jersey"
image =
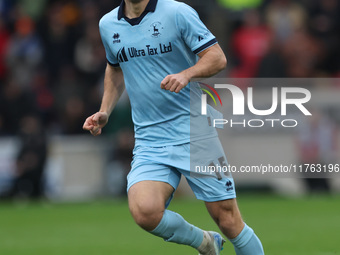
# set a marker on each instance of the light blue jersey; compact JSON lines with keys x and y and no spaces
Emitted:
{"x":163,"y":40}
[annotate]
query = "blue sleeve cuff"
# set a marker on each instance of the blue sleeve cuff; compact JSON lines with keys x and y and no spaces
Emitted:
{"x":111,"y":64}
{"x":205,"y":46}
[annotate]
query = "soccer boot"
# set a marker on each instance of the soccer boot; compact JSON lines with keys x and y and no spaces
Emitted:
{"x":215,"y":246}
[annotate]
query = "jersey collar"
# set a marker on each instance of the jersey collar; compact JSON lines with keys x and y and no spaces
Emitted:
{"x":151,"y":7}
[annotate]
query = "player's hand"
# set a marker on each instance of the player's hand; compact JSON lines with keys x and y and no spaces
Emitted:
{"x":96,"y":122}
{"x":175,"y":82}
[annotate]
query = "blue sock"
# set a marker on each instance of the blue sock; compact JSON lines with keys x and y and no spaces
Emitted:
{"x":247,"y":243}
{"x":173,"y":228}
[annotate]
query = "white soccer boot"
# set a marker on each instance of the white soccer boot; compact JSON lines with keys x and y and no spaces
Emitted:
{"x":213,"y":243}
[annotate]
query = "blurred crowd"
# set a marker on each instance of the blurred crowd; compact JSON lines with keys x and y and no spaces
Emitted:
{"x":286,"y":38}
{"x":52,"y":60}
{"x":52,"y":65}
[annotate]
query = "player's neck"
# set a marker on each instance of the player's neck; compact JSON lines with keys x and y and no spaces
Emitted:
{"x":134,"y":8}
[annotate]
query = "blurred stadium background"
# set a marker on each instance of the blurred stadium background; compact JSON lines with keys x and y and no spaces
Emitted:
{"x":51,"y":72}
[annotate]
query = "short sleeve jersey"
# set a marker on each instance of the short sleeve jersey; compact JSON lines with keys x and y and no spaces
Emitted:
{"x":163,"y":40}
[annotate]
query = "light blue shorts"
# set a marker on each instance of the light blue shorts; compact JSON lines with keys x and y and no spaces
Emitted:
{"x":168,"y":163}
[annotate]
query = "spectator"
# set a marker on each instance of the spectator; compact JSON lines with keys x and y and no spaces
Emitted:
{"x":325,"y":24}
{"x":249,"y":45}
{"x":25,"y":51}
{"x":15,"y":102}
{"x":31,"y":159}
{"x":59,"y":40}
{"x":273,"y":64}
{"x":302,"y":58}
{"x":285,"y":17}
{"x":69,"y":102}
{"x":90,"y":55}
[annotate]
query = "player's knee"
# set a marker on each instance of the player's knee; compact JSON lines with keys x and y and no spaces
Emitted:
{"x":147,"y":215}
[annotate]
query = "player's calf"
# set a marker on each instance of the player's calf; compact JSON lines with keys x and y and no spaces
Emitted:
{"x":227,"y":216}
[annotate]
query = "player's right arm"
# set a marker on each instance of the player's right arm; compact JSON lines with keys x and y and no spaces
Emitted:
{"x":113,"y":89}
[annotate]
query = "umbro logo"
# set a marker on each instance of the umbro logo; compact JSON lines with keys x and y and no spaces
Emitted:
{"x":116,"y":38}
{"x":200,"y":38}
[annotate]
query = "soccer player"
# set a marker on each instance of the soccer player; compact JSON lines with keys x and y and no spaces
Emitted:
{"x":156,"y":47}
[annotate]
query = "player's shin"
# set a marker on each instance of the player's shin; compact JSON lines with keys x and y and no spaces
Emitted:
{"x":173,"y":228}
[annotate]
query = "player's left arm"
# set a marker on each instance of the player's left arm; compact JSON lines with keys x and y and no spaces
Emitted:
{"x":211,"y":61}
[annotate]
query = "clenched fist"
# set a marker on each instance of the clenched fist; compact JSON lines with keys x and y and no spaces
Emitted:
{"x":175,"y":82}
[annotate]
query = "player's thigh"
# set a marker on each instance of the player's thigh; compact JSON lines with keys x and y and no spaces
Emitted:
{"x":151,"y":183}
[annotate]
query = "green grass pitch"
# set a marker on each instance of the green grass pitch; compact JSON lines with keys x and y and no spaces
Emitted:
{"x":305,"y":226}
